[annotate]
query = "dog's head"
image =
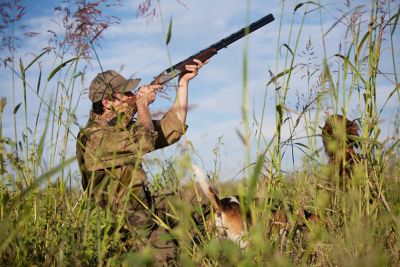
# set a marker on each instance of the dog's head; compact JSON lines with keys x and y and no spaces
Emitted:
{"x":333,"y":131}
{"x":229,"y":222}
{"x":336,"y":129}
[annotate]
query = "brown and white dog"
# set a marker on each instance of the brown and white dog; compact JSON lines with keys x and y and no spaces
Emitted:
{"x":229,"y":221}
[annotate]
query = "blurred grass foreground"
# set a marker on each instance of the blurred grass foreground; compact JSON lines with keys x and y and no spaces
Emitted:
{"x":46,"y":219}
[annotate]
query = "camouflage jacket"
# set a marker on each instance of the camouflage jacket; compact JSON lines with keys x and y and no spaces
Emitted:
{"x":107,"y":153}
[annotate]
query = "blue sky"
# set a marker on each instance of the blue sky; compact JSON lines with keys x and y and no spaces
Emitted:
{"x":217,"y":93}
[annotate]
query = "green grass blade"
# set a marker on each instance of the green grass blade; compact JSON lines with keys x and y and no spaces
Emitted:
{"x":396,"y":20}
{"x":39,"y":80}
{"x":17,"y":108}
{"x":288,"y":48}
{"x":274,"y":79}
{"x":60,"y":67}
{"x":169,"y":32}
{"x":34,"y":60}
{"x":361,"y":45}
{"x":309,"y":2}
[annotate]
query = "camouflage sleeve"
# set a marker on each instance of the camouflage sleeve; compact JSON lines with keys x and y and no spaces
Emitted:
{"x":170,"y":129}
{"x":111,"y":147}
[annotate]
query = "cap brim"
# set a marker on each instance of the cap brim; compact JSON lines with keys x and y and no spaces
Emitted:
{"x":128,"y":86}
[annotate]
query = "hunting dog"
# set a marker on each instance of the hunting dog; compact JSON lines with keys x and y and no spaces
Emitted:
{"x":334,"y":132}
{"x":229,"y":220}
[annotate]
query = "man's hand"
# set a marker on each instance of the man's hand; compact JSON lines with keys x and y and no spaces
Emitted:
{"x":144,"y":97}
{"x":193,"y":70}
{"x":147,"y":94}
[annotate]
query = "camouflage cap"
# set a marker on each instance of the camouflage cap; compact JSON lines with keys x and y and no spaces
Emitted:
{"x":109,"y":82}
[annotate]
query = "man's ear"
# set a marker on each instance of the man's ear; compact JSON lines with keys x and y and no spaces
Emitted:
{"x":106,"y":103}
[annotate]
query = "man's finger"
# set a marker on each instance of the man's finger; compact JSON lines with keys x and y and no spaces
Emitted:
{"x":156,"y":87}
{"x":191,"y":67}
{"x":201,"y":64}
{"x":198,"y":61}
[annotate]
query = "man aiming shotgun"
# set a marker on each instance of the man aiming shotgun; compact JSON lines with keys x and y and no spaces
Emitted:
{"x":111,"y":145}
{"x":110,"y":161}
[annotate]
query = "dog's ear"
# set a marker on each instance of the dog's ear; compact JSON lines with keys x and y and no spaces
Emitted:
{"x":207,"y":189}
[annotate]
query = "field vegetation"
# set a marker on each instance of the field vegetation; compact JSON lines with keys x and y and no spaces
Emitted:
{"x":47,"y":220}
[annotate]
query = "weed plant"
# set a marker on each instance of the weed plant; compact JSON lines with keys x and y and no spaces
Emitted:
{"x":46,"y":221}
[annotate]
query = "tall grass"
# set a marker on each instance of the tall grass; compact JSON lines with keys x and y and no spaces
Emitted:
{"x":45,"y":220}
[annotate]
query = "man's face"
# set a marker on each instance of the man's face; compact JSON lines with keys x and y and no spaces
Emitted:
{"x":120,"y":98}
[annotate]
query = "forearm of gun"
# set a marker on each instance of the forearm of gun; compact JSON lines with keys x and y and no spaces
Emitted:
{"x":179,"y":69}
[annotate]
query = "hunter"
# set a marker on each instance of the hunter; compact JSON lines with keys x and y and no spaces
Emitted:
{"x":111,"y":146}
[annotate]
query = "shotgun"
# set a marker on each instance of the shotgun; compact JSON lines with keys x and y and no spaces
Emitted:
{"x":210,"y":51}
{"x":203,"y":55}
